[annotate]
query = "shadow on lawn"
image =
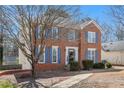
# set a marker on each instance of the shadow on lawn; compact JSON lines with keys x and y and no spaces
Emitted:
{"x":33,"y":84}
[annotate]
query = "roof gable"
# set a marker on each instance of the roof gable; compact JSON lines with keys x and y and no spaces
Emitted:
{"x":90,"y":22}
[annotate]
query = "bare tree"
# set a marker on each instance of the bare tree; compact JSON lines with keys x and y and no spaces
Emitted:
{"x":1,"y":40}
{"x":106,"y":32}
{"x":117,"y":13}
{"x":119,"y":32}
{"x":1,"y":46}
{"x":28,"y":26}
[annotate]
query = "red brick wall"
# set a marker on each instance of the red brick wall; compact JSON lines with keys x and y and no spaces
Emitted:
{"x":84,"y":45}
{"x":81,"y":44}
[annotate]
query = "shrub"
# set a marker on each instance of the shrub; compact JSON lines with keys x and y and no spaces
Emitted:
{"x":6,"y":84}
{"x":67,"y":67}
{"x":9,"y":67}
{"x":104,"y":61}
{"x":99,"y":65}
{"x":17,"y":61}
{"x":87,"y":64}
{"x":108,"y":65}
{"x":74,"y":66}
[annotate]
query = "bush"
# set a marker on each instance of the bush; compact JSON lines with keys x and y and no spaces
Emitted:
{"x":67,"y":67}
{"x":17,"y":61}
{"x":87,"y":64}
{"x":104,"y":61}
{"x":108,"y":65}
{"x":74,"y":66}
{"x":6,"y":84}
{"x":9,"y":67}
{"x":99,"y":65}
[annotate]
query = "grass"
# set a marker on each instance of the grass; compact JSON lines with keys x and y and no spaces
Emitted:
{"x":6,"y":84}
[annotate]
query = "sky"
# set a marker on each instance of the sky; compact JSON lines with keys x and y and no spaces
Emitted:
{"x":97,"y":12}
{"x":101,"y":14}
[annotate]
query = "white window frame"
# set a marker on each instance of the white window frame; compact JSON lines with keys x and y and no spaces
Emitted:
{"x":91,"y":37}
{"x":42,"y":54}
{"x":56,"y":47}
{"x":56,"y":31}
{"x":92,"y":50}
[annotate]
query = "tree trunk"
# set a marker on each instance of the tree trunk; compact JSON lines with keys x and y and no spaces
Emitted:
{"x":1,"y":49}
{"x":1,"y":55}
{"x":33,"y":70}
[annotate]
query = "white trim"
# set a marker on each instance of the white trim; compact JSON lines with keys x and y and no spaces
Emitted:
{"x":56,"y":47}
{"x":44,"y":57}
{"x":66,"y":54}
{"x":88,"y":23}
{"x":91,"y":48}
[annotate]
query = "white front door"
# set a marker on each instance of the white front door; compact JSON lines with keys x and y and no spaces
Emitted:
{"x":71,"y":52}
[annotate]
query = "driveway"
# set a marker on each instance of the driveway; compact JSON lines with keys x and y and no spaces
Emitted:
{"x":99,"y":79}
{"x":114,"y":79}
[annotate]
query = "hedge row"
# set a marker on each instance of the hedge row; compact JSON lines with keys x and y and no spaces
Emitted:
{"x":9,"y":67}
{"x":88,"y":64}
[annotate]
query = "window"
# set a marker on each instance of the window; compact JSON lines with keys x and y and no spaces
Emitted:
{"x":55,"y":33}
{"x":42,"y":56}
{"x":38,"y":32}
{"x":54,"y":54}
{"x":91,"y":54}
{"x":91,"y":37}
{"x":71,"y":35}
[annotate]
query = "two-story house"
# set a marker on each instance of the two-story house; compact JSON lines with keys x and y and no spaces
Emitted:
{"x":81,"y":44}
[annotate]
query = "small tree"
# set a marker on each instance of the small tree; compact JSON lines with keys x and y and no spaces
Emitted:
{"x":25,"y":23}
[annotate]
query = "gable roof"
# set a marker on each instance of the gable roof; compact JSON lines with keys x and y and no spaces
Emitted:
{"x":81,"y":25}
{"x":89,"y":22}
{"x":113,"y":46}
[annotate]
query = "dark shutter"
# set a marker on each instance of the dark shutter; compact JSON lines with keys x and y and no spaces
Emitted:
{"x":36,"y":32}
{"x":68,"y":57}
{"x":59,"y":55}
{"x":46,"y":33}
{"x":86,"y":36}
{"x":97,"y":37}
{"x":51,"y":55}
{"x":46,"y":55}
{"x":86,"y":54}
{"x":96,"y":56}
{"x":36,"y":52}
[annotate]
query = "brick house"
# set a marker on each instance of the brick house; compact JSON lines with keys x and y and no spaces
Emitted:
{"x":81,"y":44}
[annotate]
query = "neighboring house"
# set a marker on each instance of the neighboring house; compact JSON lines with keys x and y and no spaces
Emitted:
{"x":10,"y":52}
{"x":113,"y":52}
{"x":81,"y":44}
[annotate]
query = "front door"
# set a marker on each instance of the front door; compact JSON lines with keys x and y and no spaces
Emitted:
{"x":71,"y":55}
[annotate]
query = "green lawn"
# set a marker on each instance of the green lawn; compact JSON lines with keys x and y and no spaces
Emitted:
{"x":6,"y":84}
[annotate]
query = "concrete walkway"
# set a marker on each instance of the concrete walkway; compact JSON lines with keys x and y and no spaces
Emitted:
{"x":119,"y":67}
{"x":71,"y":81}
